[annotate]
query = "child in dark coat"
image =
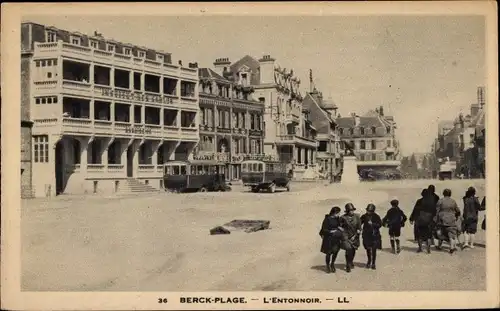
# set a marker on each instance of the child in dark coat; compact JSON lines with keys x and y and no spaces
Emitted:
{"x":395,"y":219}
{"x":332,"y":237}
{"x":372,"y":240}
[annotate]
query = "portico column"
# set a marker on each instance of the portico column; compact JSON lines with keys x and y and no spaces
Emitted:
{"x":84,"y":144}
{"x":112,"y":111}
{"x":216,"y":118}
{"x":154,"y":147}
{"x":123,"y":152}
{"x":143,"y":81}
{"x":104,"y":155}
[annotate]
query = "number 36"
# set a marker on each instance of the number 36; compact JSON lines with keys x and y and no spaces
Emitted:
{"x":162,"y":300}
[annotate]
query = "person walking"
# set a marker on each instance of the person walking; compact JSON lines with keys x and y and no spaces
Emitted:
{"x":395,"y":219}
{"x":447,"y":216}
{"x":470,"y":217}
{"x":417,"y":203}
{"x":422,"y":218}
{"x":331,"y":234}
{"x":351,"y":223}
{"x":372,"y":240}
{"x":432,"y":193}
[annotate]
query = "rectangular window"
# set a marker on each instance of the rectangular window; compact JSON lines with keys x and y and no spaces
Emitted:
{"x":41,"y":149}
{"x":127,"y":51}
{"x":93,"y":44}
{"x":75,"y":40}
{"x":51,"y":36}
{"x":388,"y":143}
{"x":142,"y":54}
{"x":111,"y":48}
{"x":159,"y":58}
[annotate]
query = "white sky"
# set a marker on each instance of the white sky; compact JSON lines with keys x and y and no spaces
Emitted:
{"x":422,"y":69}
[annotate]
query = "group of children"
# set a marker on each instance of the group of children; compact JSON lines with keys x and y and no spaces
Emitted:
{"x":430,"y":212}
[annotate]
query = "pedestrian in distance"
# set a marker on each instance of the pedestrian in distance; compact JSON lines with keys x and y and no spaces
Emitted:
{"x":395,"y":219}
{"x":372,"y":240}
{"x":470,"y":217}
{"x":351,"y":223}
{"x":422,"y":218}
{"x":332,"y":237}
{"x":447,"y":216}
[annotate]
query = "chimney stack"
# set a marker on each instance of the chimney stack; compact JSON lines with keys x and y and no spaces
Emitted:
{"x":266,"y":69}
{"x":221,"y":64}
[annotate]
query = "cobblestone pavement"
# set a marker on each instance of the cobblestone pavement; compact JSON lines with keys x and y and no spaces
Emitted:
{"x":161,"y":242}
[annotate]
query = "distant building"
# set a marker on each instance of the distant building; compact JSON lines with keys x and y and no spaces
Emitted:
{"x":373,"y":139}
{"x":231,"y":121}
{"x":289,"y":134}
{"x":463,"y":142}
{"x":105,"y":113}
{"x":323,"y":114}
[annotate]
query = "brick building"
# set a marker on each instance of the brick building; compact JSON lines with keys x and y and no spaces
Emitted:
{"x":231,"y":121}
{"x":105,"y":114}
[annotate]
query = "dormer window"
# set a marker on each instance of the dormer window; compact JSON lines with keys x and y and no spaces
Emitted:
{"x":51,"y":36}
{"x":341,"y":131}
{"x":76,"y":40}
{"x":142,"y":54}
{"x":351,"y":131}
{"x":388,"y":129}
{"x":159,"y":58}
{"x":94,"y":44}
{"x":374,"y":130}
{"x":111,"y":48}
{"x":127,"y":51}
{"x":362,"y":131}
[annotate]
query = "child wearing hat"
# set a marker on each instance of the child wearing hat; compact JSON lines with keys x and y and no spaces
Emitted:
{"x":395,"y":219}
{"x":351,"y":222}
{"x":372,"y":240}
{"x":331,"y":234}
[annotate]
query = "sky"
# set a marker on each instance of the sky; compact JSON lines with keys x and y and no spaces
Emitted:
{"x":421,"y":69}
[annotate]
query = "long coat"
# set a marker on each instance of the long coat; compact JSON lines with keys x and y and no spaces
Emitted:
{"x":371,"y":231}
{"x":331,"y":240}
{"x":351,"y":225}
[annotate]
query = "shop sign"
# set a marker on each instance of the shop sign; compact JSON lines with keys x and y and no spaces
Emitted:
{"x":137,"y":130}
{"x":120,"y":94}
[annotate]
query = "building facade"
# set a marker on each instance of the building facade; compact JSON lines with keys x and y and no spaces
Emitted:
{"x":372,"y":138}
{"x":289,"y":134}
{"x":462,"y":140}
{"x":103,"y":111}
{"x":231,"y":121}
{"x":323,"y":115}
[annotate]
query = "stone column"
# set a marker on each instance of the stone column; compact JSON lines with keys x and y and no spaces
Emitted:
{"x":143,"y":114}
{"x":131,"y":80}
{"x":91,"y":74}
{"x":304,"y":155}
{"x":162,"y":117}
{"x":91,"y":110}
{"x":131,"y":114}
{"x":154,"y":156}
{"x":179,"y":118}
{"x":112,"y":111}
{"x":112,"y":77}
{"x":123,"y":152}
{"x":161,"y":85}
{"x":143,"y":82}
{"x":84,"y":143}
{"x":216,"y":117}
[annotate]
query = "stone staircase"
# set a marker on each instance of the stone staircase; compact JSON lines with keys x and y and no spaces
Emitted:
{"x":132,"y":185}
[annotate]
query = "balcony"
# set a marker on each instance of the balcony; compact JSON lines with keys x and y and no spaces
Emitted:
{"x":89,"y":54}
{"x":291,"y":118}
{"x":296,"y":140}
{"x":89,"y":127}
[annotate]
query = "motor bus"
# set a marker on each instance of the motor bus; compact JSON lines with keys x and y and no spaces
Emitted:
{"x":201,"y":176}
{"x":260,"y":175}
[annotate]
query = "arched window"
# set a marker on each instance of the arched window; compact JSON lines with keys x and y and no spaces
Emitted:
{"x":388,"y":129}
{"x":362,"y":145}
{"x":362,"y":130}
{"x":374,"y":130}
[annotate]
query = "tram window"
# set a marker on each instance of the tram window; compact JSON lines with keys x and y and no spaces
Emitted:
{"x":175,"y":170}
{"x":260,"y":167}
{"x":183,"y":170}
{"x":168,"y":170}
{"x":270,"y":167}
{"x":243,"y":167}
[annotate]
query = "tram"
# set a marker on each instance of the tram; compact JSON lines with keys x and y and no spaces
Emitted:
{"x":201,"y":176}
{"x":260,"y":175}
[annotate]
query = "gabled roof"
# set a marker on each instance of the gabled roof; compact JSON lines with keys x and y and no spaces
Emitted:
{"x":207,"y":73}
{"x":245,"y":60}
{"x":317,"y":102}
{"x":364,"y":121}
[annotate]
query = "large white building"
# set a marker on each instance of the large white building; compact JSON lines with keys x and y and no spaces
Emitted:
{"x":105,"y":113}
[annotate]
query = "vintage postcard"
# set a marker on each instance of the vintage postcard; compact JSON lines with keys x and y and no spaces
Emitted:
{"x":302,"y":155}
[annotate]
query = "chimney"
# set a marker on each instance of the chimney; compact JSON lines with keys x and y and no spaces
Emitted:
{"x":480,"y":96}
{"x":381,"y":111}
{"x":221,"y":65}
{"x":356,"y":119}
{"x":266,"y":69}
{"x":474,"y":110}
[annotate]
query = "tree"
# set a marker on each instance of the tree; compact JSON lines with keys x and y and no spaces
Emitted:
{"x":425,"y":167}
{"x":413,"y":166}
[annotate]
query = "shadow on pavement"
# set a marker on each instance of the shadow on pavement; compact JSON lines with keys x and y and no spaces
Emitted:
{"x":338,"y":266}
